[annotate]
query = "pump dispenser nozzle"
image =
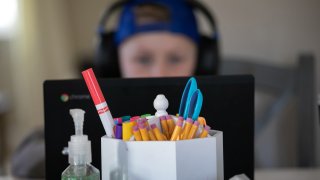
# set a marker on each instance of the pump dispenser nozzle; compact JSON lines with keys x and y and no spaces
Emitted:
{"x":78,"y":118}
{"x":79,"y":145}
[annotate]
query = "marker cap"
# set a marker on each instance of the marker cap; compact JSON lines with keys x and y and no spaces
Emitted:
{"x":93,"y":86}
{"x":145,"y":115}
{"x":118,"y":120}
{"x":125,"y":118}
{"x":134,"y":118}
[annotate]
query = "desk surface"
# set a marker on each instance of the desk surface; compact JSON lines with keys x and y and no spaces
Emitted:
{"x":278,"y":174}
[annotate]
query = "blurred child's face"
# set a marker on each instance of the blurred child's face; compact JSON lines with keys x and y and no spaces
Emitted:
{"x":157,"y":55}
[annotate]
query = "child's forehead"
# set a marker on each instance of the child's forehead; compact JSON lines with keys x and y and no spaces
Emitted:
{"x":159,"y":40}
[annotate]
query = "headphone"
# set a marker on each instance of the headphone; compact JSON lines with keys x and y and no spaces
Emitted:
{"x":106,"y":62}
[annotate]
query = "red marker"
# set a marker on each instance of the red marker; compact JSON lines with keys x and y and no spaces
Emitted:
{"x":99,"y":101}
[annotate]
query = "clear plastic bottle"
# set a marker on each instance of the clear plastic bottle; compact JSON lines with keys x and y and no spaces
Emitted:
{"x":81,"y":172}
{"x":79,"y":150}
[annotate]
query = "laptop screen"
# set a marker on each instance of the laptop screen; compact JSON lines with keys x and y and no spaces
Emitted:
{"x":228,"y":106}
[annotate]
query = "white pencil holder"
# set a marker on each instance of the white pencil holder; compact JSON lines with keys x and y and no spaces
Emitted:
{"x":159,"y":160}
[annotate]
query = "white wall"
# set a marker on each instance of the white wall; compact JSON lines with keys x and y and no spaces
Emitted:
{"x":85,"y":16}
{"x":269,"y":29}
{"x":274,"y":31}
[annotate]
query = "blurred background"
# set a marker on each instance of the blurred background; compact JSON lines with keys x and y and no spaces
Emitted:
{"x":276,"y":40}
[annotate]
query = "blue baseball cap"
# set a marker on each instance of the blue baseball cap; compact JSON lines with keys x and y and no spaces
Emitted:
{"x":178,"y":18}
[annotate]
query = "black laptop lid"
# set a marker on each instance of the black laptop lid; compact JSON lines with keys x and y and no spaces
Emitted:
{"x":228,"y":105}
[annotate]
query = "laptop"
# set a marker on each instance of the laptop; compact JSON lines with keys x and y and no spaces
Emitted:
{"x":228,"y":106}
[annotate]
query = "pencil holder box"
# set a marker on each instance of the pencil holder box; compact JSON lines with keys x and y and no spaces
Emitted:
{"x":160,"y":160}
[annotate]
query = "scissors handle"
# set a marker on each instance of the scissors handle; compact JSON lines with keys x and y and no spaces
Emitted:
{"x":189,"y":89}
{"x":195,"y":105}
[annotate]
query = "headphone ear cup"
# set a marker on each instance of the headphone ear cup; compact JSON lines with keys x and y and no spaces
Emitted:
{"x":208,"y":56}
{"x":106,"y":61}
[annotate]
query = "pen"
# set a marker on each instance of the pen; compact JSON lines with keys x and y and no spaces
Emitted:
{"x":99,"y":101}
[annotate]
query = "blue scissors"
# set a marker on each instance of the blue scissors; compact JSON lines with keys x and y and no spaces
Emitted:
{"x":191,"y":101}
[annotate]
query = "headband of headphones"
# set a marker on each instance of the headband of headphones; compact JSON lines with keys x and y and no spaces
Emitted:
{"x":179,"y":23}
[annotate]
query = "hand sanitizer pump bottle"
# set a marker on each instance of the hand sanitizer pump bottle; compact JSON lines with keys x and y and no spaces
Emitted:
{"x":79,"y":149}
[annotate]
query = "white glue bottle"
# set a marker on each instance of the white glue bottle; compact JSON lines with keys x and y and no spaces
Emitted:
{"x":79,"y":150}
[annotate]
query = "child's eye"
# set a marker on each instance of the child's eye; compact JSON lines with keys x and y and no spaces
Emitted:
{"x":145,"y":60}
{"x":175,"y":60}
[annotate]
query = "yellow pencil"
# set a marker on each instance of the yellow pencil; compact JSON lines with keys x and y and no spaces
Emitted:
{"x":144,"y":133}
{"x":171,"y":124}
{"x":186,"y":128}
{"x":177,"y":130}
{"x":157,"y":133}
{"x":205,"y":132}
{"x":193,"y":130}
{"x":151,"y":134}
{"x":136,"y":133}
{"x":164,"y":125}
